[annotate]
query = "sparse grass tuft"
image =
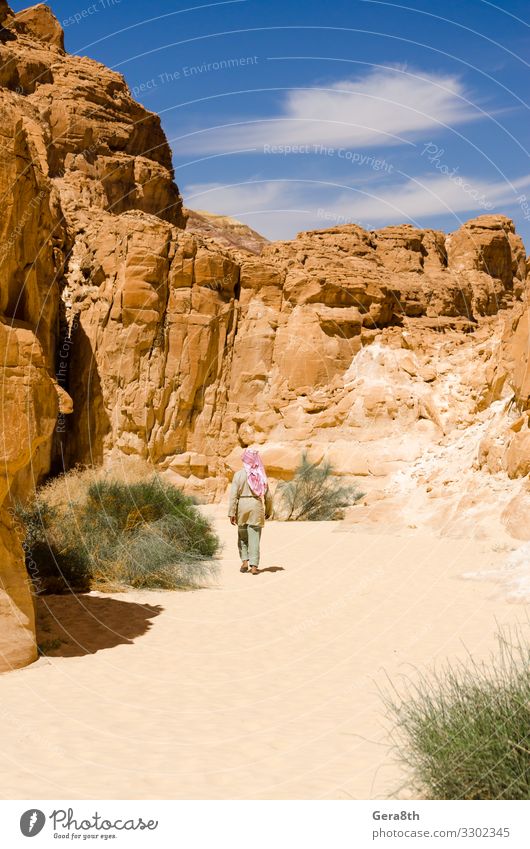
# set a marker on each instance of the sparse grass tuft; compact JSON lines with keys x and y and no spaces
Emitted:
{"x":314,"y":494}
{"x":87,"y":531}
{"x":465,"y":732}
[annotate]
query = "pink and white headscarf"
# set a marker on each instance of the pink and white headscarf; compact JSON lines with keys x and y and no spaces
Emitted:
{"x":256,"y":475}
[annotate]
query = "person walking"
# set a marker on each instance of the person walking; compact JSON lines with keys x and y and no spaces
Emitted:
{"x":249,"y":505}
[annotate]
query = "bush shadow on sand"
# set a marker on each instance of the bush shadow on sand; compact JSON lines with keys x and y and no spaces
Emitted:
{"x":73,"y":625}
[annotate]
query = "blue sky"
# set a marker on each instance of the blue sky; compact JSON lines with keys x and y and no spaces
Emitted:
{"x":301,"y":114}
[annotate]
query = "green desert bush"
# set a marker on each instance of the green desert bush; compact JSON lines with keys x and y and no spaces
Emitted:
{"x":87,"y":530}
{"x":465,"y":732}
{"x":55,"y":557}
{"x":314,"y":494}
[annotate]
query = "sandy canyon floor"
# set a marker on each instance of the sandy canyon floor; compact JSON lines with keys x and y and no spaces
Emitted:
{"x":260,"y":687}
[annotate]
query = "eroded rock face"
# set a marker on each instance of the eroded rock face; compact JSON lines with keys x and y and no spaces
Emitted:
{"x":28,"y":404}
{"x":506,"y":445}
{"x":490,"y":245}
{"x":32,"y":253}
{"x":512,"y":364}
{"x":104,"y":150}
{"x":73,"y":146}
{"x":338,"y":342}
{"x":39,"y":22}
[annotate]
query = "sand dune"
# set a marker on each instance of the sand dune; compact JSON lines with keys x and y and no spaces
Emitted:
{"x":259,"y":687}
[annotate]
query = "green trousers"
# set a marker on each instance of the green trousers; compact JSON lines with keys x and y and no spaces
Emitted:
{"x":248,"y":538}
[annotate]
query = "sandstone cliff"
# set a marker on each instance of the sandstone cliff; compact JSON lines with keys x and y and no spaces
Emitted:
{"x":340,"y":341}
{"x":400,"y":354}
{"x":32,"y":239}
{"x":73,"y":144}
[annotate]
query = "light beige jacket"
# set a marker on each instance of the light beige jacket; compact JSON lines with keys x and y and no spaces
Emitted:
{"x":249,"y":509}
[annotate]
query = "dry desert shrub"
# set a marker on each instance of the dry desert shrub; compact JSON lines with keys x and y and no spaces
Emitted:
{"x":315,"y":493}
{"x":465,"y":732}
{"x":92,"y":529}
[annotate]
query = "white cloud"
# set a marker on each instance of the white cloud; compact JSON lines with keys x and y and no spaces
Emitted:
{"x":417,"y":198}
{"x":384,"y":107}
{"x":280,"y":208}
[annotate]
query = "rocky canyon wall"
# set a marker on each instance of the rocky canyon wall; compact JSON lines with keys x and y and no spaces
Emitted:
{"x":339,"y":342}
{"x":32,"y":244}
{"x":73,"y":144}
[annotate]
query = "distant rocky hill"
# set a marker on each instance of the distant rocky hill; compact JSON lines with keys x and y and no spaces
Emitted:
{"x":130,"y":327}
{"x":225,"y":231}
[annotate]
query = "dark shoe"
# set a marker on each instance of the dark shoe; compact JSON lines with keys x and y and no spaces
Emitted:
{"x":244,"y":568}
{"x":254,"y":570}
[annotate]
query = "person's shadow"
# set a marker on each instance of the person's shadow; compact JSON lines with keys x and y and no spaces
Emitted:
{"x":271,"y":569}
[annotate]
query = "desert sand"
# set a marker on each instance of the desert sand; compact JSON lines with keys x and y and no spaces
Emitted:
{"x":261,"y":687}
